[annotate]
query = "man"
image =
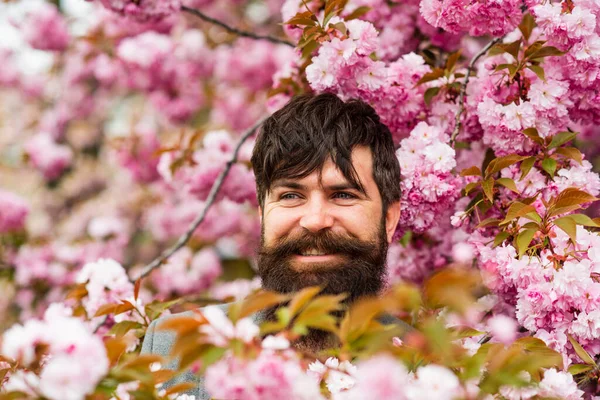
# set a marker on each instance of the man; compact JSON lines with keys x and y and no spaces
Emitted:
{"x":328,"y":186}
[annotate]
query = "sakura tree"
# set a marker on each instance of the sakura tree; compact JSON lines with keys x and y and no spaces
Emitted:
{"x":127,"y":194}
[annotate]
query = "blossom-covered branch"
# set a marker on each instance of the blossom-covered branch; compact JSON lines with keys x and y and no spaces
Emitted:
{"x":463,"y":88}
{"x":212,"y":196}
{"x":235,"y":31}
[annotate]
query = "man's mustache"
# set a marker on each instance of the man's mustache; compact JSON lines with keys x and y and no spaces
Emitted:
{"x":325,"y":242}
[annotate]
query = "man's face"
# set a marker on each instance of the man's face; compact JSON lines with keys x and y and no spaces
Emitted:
{"x":321,"y":230}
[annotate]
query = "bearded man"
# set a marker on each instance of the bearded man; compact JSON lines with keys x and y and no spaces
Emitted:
{"x":328,"y":187}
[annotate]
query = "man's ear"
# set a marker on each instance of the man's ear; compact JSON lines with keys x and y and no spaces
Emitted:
{"x":391,"y":220}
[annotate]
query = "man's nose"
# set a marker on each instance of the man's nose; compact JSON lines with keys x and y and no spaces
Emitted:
{"x":316,"y":217}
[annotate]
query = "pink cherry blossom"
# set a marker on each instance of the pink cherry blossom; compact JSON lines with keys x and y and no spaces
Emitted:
{"x":187,"y":273}
{"x":13,"y":212}
{"x":270,"y":376}
{"x":45,"y":28}
{"x":144,"y":11}
{"x":71,"y":348}
{"x":50,"y":158}
{"x":106,"y":282}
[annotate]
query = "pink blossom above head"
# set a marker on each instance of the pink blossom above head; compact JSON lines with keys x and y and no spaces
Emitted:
{"x":13,"y":212}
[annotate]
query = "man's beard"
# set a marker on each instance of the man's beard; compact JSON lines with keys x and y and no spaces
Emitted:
{"x":359,"y":269}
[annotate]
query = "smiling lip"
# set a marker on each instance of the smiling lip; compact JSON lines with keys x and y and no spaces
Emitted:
{"x":309,"y":263}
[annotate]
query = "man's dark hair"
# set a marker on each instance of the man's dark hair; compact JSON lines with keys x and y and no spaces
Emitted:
{"x":300,"y":137}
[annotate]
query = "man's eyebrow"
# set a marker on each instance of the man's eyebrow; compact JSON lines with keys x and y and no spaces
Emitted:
{"x":286,"y":183}
{"x":345,"y":186}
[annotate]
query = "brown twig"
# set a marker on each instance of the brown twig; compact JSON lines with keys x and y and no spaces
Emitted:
{"x":463,"y":89}
{"x":212,"y":196}
{"x":235,"y":31}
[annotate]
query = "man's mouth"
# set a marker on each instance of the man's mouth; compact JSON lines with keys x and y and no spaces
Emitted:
{"x":313,"y":252}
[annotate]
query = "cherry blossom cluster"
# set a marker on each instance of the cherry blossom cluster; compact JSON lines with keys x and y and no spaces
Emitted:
{"x":106,"y":282}
{"x":344,"y":66}
{"x":205,"y":166}
{"x":66,"y":342}
{"x":187,"y":273}
{"x":45,"y":28}
{"x":144,"y":10}
{"x":168,"y":70}
{"x":13,"y":212}
{"x":428,"y":186}
{"x":549,"y":303}
{"x":477,"y":17}
{"x":574,"y":29}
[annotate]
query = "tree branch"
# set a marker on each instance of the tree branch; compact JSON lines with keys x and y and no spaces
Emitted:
{"x":212,"y":196}
{"x":463,"y":89}
{"x":236,"y":31}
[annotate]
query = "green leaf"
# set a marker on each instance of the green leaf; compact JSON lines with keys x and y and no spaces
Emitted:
{"x":305,"y":18}
{"x":526,"y":166}
{"x":533,"y":134}
{"x":430,"y":94}
{"x":498,"y":164}
{"x":508,"y":183}
{"x":532,"y":48}
{"x":576,"y":369}
{"x":570,"y":152}
{"x":121,"y":328}
{"x":301,"y":298}
{"x":471,"y":186}
{"x":568,"y":225}
{"x":452,"y":59}
{"x":155,"y":309}
{"x":526,"y":26}
{"x":546,"y":51}
{"x":488,"y":188}
{"x":517,"y":210}
{"x":573,"y":196}
{"x":431,"y":76}
{"x":358,"y":12}
{"x":512,"y":68}
{"x":561,"y":138}
{"x":471,"y":171}
{"x":539,"y":71}
{"x":584,"y":355}
{"x":549,"y":165}
{"x":524,"y":239}
{"x":510,"y":48}
{"x":534,"y":216}
{"x":500,"y":238}
{"x":488,"y":222}
{"x":406,"y":238}
{"x":584,"y":220}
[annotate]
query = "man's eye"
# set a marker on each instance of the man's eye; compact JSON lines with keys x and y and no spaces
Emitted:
{"x":344,"y":195}
{"x":289,"y":196}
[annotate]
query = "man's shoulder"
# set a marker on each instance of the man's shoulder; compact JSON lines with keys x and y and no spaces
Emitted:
{"x":160,"y":341}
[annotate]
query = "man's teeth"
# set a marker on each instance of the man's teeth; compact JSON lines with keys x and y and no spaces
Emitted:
{"x":313,"y":252}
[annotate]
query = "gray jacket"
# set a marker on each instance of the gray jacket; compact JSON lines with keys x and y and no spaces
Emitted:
{"x":160,"y":342}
